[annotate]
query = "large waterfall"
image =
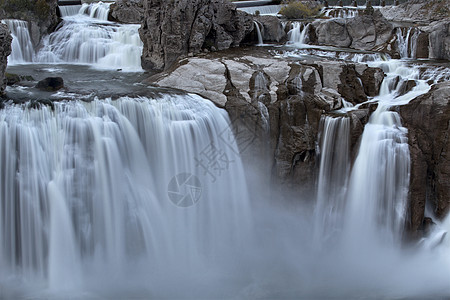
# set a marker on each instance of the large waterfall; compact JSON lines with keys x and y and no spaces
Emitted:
{"x":106,"y":185}
{"x":145,"y":195}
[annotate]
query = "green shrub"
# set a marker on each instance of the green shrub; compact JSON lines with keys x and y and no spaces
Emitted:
{"x":300,"y":10}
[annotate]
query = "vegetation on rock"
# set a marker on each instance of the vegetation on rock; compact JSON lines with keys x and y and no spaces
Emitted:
{"x":300,"y":10}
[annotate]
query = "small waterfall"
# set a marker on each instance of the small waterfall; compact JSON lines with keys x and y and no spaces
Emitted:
{"x":298,"y":34}
{"x":97,"y":10}
{"x":407,"y":42}
{"x":86,"y":41}
{"x":260,"y":87}
{"x":334,"y":157}
{"x":341,"y":12}
{"x":22,"y":46}
{"x":264,"y":116}
{"x":91,"y":189}
{"x":258,"y":32}
{"x":69,"y":10}
{"x":298,"y":82}
{"x":263,"y":10}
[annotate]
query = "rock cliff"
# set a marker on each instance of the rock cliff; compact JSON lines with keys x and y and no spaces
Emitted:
{"x":5,"y":50}
{"x":427,"y":119}
{"x":173,"y":29}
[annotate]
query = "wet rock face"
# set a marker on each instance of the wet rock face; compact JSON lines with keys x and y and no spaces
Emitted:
{"x":41,"y":15}
{"x":5,"y":50}
{"x":127,"y":11}
{"x":173,"y":29}
{"x":426,"y":118}
{"x":439,"y":38}
{"x":363,"y":32}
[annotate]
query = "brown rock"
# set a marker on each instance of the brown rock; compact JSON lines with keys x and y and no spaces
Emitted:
{"x":172,"y":29}
{"x":427,"y":119}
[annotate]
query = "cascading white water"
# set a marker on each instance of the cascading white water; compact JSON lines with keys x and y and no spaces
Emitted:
{"x":379,"y":182}
{"x":69,"y":10}
{"x":96,"y":10}
{"x":341,"y":12}
{"x":259,"y":34}
{"x":22,"y":50}
{"x":334,"y":141}
{"x":298,"y":34}
{"x":407,"y":42}
{"x":89,"y":188}
{"x":263,"y":10}
{"x":82,"y":40}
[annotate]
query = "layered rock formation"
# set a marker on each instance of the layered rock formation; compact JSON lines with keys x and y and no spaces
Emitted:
{"x":173,"y":29}
{"x":5,"y":50}
{"x":427,"y":119}
{"x":277,"y":105}
{"x":41,"y":15}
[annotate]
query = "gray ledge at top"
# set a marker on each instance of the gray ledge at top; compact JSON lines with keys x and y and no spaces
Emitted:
{"x":69,"y":2}
{"x":238,"y":4}
{"x":241,"y":4}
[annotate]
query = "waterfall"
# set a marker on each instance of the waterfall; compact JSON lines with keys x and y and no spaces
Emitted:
{"x":379,"y":182}
{"x":96,"y":10}
{"x":341,"y":12}
{"x":22,"y":47}
{"x":263,"y":10}
{"x":69,"y":10}
{"x":96,"y":187}
{"x":82,"y":40}
{"x":334,"y":157}
{"x":407,"y":42}
{"x":298,"y":34}
{"x":258,"y":32}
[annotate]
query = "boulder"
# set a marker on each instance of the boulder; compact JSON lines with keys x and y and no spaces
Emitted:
{"x":50,"y":84}
{"x":332,"y":33}
{"x":127,"y":11}
{"x":5,"y":50}
{"x":173,"y":29}
{"x":427,"y":119}
{"x":363,"y":32}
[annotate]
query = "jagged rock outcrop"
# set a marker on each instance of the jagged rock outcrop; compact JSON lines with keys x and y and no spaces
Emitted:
{"x":363,"y":32}
{"x":41,"y":15}
{"x":173,"y":29}
{"x":5,"y":50}
{"x":427,"y":119}
{"x":418,"y":11}
{"x":127,"y":11}
{"x":276,"y":105}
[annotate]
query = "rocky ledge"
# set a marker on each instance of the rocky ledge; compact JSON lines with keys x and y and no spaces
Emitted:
{"x":427,"y":119}
{"x":5,"y":50}
{"x":173,"y":29}
{"x":277,"y":105}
